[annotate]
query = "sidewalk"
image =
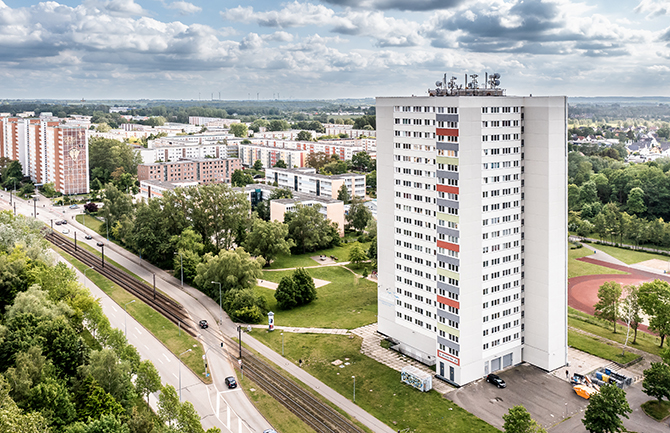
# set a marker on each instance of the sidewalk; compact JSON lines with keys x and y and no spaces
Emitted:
{"x":305,"y":330}
{"x":372,"y":347}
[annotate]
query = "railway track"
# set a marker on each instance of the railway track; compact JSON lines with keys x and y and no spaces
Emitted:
{"x":168,"y":307}
{"x":318,"y":415}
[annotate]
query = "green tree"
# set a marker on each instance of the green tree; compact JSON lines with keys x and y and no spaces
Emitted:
{"x":140,"y":421}
{"x":608,"y":301}
{"x":280,"y":164}
{"x":605,"y":409}
{"x":48,"y":190}
{"x":233,"y":269}
{"x":359,"y":215}
{"x":654,"y":298}
{"x":168,"y":406}
{"x":257,"y":124}
{"x":148,"y":379}
{"x":361,"y":161}
{"x":239,"y":129}
{"x":573,"y":197}
{"x":13,"y":420}
{"x":318,"y":160}
{"x":150,"y":232}
{"x":518,"y":420}
{"x":656,"y":381}
{"x":106,"y":155}
{"x":243,"y":305}
{"x":258,"y":165}
{"x":112,"y":374}
{"x":93,"y":402}
{"x":52,"y":399}
{"x":268,"y":239}
{"x":635,"y":203}
{"x":278,"y":125}
{"x":286,"y":294}
{"x":115,"y":205}
{"x":304,"y":287}
{"x":357,"y":254}
{"x":631,"y":309}
{"x":309,"y":229}
{"x":239,"y":178}
{"x":12,"y":174}
{"x":304,"y":136}
{"x":343,"y":194}
{"x":588,"y":193}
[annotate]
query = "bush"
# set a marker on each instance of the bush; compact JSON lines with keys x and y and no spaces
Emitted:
{"x":294,"y":291}
{"x":244,"y":306}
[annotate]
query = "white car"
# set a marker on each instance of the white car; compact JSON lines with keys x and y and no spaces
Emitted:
{"x":66,"y":231}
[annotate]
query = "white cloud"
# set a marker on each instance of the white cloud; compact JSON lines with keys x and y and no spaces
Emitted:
{"x":653,"y":8}
{"x":114,"y":7}
{"x":292,"y":15}
{"x":185,"y":8}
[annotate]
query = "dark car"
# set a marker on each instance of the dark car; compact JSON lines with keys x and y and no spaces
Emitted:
{"x":89,"y":237}
{"x":203,"y":324}
{"x":64,"y":222}
{"x":496,"y":380}
{"x":100,"y":244}
{"x":59,"y":222}
{"x":231,"y":382}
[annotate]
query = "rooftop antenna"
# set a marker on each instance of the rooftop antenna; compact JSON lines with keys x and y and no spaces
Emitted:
{"x":494,"y":80}
{"x":474,"y":85}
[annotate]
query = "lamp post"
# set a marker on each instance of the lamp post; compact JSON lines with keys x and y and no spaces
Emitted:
{"x":220,"y":310}
{"x":125,"y":318}
{"x":282,"y":344}
{"x":103,"y":255}
{"x":180,"y":372}
{"x":354,"y":377}
{"x":181,"y":267}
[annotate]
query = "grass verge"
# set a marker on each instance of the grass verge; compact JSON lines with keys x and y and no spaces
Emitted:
{"x":92,"y":223}
{"x":304,"y":260}
{"x":577,"y":268}
{"x":347,"y":302}
{"x":586,"y":322}
{"x":659,"y":410}
{"x":595,"y":347}
{"x":167,"y":332}
{"x":378,"y":387}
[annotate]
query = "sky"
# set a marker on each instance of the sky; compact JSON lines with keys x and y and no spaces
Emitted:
{"x":326,"y":49}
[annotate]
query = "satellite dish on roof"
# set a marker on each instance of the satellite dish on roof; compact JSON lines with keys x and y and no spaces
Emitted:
{"x":438,"y":83}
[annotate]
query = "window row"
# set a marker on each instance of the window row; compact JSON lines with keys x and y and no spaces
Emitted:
{"x":495,"y":110}
{"x":503,"y":178}
{"x":425,"y":109}
{"x":497,"y":123}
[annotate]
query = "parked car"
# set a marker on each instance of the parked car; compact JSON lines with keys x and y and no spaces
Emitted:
{"x":89,"y":237}
{"x":100,"y":244}
{"x":203,"y":324}
{"x":270,"y":430}
{"x":496,"y":380}
{"x":231,"y":382}
{"x":64,"y":222}
{"x":74,"y":206}
{"x":59,"y":222}
{"x":66,"y":231}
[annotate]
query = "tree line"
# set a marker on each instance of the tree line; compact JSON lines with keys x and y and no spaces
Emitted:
{"x":63,"y":367}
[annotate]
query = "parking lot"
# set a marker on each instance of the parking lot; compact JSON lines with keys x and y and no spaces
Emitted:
{"x":547,"y":398}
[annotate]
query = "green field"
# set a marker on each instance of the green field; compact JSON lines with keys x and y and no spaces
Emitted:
{"x":595,"y":347}
{"x":167,"y":332}
{"x":347,"y":302}
{"x":577,"y":268}
{"x":647,"y":342}
{"x":304,"y":260}
{"x":659,"y":410}
{"x":630,"y":256}
{"x":378,"y":387}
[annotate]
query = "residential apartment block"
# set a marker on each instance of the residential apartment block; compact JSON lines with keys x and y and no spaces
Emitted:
{"x":160,"y":152}
{"x":269,"y":155}
{"x":203,"y":170}
{"x":472,"y":222}
{"x":308,"y":181}
{"x":49,"y":152}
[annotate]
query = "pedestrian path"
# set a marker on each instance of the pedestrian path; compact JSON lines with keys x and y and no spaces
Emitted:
{"x":297,"y":330}
{"x":273,"y":286}
{"x":372,"y":347}
{"x":603,"y":256}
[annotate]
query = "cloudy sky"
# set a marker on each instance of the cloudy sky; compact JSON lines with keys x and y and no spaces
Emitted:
{"x":177,"y":49}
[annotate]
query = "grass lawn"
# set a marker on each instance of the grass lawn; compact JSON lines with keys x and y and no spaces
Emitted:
{"x":347,"y":302}
{"x":586,"y":322}
{"x":595,"y":347}
{"x":303,"y":260}
{"x":659,"y":410}
{"x":577,"y":268}
{"x":630,"y":256}
{"x":167,"y":332}
{"x":378,"y":387}
{"x":273,"y":411}
{"x":93,"y":223}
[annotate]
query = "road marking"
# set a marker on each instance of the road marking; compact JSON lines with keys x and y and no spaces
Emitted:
{"x":114,"y":308}
{"x":147,"y":347}
{"x":168,"y":359}
{"x":140,"y":332}
{"x":175,"y":375}
{"x":161,"y":361}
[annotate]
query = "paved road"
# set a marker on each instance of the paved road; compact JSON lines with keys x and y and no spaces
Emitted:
{"x":203,"y":307}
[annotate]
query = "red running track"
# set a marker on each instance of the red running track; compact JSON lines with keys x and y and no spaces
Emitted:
{"x":583,"y":291}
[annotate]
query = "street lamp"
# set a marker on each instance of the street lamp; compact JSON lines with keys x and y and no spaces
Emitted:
{"x":220,"y":310}
{"x":282,"y":344}
{"x":354,"y":377}
{"x":181,"y":267}
{"x":189,"y":350}
{"x":125,"y":319}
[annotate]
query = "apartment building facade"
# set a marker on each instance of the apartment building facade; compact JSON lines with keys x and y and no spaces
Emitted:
{"x":269,"y":155}
{"x":307,"y":180}
{"x":49,"y":152}
{"x":203,"y":170}
{"x":472,"y":220}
